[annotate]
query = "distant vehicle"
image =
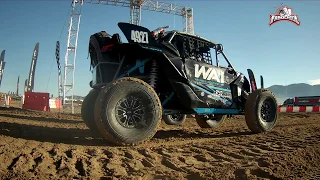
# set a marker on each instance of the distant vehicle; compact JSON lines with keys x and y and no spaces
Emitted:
{"x":302,"y":101}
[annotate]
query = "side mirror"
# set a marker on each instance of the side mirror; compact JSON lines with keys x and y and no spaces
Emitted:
{"x":231,"y":70}
{"x":219,"y":47}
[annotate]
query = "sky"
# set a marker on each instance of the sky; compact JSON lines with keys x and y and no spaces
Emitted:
{"x":283,"y":53}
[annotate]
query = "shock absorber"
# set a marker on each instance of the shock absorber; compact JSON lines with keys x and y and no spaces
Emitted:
{"x":153,"y":77}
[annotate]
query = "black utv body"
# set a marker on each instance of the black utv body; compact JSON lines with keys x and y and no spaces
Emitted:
{"x":135,"y":84}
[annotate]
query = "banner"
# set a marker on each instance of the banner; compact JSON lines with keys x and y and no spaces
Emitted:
{"x":59,"y":69}
{"x":30,"y":85}
{"x":2,"y":64}
{"x":2,"y":55}
{"x":18,"y":85}
{"x":25,"y":85}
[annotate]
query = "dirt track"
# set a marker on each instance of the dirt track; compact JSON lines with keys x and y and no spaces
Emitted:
{"x":48,"y":145}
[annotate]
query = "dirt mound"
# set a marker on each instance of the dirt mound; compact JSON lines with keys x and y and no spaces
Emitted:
{"x":51,"y":145}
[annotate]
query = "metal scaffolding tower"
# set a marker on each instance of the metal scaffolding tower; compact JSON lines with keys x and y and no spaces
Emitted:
{"x":70,"y":58}
{"x":135,"y":18}
{"x":135,"y":11}
{"x":187,"y":20}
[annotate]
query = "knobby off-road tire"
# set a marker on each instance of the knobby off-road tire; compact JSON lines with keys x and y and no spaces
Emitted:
{"x":124,"y":98}
{"x":261,"y":111}
{"x":87,"y":110}
{"x":210,"y":123}
{"x":175,"y":119}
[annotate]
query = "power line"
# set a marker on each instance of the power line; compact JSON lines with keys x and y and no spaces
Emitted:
{"x":64,"y":24}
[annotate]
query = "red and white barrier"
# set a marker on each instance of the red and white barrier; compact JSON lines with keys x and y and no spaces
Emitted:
{"x":36,"y":101}
{"x":299,"y":109}
{"x":55,"y":103}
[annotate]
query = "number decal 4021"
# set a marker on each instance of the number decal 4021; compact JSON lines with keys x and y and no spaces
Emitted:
{"x":139,"y":36}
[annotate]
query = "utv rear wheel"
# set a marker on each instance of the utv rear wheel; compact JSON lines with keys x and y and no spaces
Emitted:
{"x":128,"y":111}
{"x":174,"y":119}
{"x":204,"y":121}
{"x":87,"y":110}
{"x":261,"y":111}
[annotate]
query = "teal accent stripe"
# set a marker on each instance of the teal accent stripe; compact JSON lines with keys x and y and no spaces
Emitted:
{"x":138,"y":64}
{"x":208,"y":92}
{"x":220,"y":89}
{"x":216,"y":111}
{"x":168,"y":99}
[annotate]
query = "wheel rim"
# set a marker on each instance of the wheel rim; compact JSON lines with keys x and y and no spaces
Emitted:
{"x":176,"y":117}
{"x":267,"y":113}
{"x":130,"y":112}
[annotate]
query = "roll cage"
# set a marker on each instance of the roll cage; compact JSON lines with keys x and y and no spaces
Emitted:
{"x":195,"y":47}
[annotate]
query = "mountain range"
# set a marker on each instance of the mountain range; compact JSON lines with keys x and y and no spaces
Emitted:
{"x":294,"y":90}
{"x":280,"y":91}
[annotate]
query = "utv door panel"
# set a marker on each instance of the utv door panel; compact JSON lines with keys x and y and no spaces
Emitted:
{"x":211,"y":83}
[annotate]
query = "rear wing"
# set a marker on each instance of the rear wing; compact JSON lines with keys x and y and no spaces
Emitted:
{"x":137,"y":34}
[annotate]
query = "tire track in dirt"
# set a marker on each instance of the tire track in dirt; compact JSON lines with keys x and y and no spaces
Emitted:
{"x":67,"y":149}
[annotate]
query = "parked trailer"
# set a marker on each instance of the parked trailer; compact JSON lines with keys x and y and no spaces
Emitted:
{"x":302,"y":101}
{"x":307,"y":101}
{"x":301,"y":104}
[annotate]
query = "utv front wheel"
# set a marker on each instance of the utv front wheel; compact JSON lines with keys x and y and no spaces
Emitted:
{"x":205,"y":121}
{"x":174,"y":119}
{"x":129,"y":112}
{"x":261,"y":111}
{"x":87,"y":110}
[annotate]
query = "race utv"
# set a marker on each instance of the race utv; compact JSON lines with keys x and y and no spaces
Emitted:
{"x":162,"y":73}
